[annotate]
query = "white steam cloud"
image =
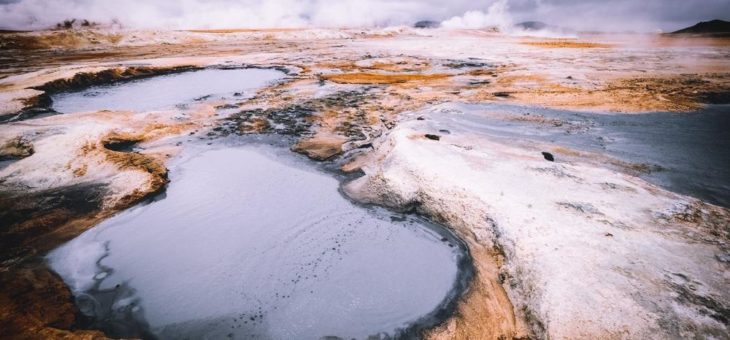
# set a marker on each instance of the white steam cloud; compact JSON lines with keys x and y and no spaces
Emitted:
{"x":176,"y":14}
{"x":617,"y":15}
{"x":496,"y":16}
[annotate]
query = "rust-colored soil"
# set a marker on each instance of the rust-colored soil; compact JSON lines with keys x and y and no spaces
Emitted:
{"x":485,"y":311}
{"x":57,"y":39}
{"x":378,"y":78}
{"x":566,"y":44}
{"x":685,"y":92}
{"x":320,"y":147}
{"x":245,"y":30}
{"x":36,"y":304}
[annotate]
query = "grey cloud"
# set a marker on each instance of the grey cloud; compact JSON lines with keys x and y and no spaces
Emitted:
{"x":644,"y":15}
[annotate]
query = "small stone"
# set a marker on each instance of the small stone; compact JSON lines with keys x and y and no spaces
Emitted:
{"x":548,"y":156}
{"x":608,"y":235}
{"x":433,"y":137}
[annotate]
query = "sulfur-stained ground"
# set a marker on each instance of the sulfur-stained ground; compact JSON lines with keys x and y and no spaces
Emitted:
{"x":350,"y":98}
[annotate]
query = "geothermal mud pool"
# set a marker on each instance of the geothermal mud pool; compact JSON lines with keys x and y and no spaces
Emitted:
{"x":247,"y":244}
{"x":164,"y":92}
{"x":251,"y":241}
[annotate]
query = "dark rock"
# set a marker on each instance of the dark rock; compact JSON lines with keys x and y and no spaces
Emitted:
{"x":226,"y":107}
{"x":67,"y":24}
{"x":420,"y":118}
{"x":548,"y":156}
{"x":501,"y":94}
{"x":120,"y":145}
{"x":433,"y":137}
{"x":479,"y":82}
{"x":444,"y":131}
{"x":459,"y":64}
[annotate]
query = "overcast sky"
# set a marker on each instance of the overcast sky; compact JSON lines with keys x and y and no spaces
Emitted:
{"x":607,"y":15}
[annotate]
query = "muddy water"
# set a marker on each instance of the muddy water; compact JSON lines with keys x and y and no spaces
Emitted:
{"x":253,"y":242}
{"x":166,"y":91}
{"x":687,"y":153}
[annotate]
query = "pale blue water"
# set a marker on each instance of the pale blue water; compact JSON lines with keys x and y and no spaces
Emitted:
{"x":165,"y":91}
{"x":252,"y":242}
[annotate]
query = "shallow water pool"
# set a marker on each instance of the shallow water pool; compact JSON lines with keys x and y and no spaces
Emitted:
{"x":252,"y":242}
{"x":167,"y":91}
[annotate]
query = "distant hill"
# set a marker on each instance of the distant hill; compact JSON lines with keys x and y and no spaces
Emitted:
{"x":707,"y":27}
{"x":427,"y":24}
{"x":532,"y":25}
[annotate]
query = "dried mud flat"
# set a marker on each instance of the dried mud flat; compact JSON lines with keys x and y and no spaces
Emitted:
{"x":580,"y":247}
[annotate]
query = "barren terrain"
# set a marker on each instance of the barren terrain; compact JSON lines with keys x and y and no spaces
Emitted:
{"x":583,"y":247}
